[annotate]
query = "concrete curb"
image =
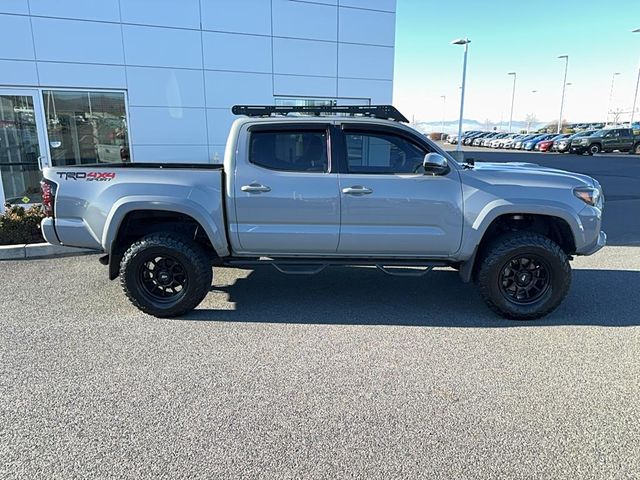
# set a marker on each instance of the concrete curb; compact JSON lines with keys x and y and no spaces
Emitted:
{"x":39,"y":250}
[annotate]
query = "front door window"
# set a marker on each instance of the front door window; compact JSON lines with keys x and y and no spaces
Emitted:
{"x":19,"y":149}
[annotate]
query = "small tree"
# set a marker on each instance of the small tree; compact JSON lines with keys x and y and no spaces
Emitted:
{"x":615,"y":114}
{"x":531,"y":119}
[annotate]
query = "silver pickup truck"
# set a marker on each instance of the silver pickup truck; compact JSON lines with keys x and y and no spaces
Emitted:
{"x":303,"y":188}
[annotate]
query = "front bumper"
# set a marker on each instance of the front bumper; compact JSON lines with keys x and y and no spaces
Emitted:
{"x":590,"y":238}
{"x":597,"y":245}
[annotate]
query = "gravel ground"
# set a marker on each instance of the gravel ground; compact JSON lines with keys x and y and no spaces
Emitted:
{"x":350,"y":373}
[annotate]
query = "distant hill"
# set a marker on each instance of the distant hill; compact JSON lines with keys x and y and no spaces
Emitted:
{"x":451,"y":126}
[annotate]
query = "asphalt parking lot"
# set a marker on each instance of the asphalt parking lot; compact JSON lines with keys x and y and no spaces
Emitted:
{"x":350,"y":373}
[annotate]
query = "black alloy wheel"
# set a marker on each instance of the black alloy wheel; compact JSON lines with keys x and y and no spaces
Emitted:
{"x":163,"y":278}
{"x":524,"y":279}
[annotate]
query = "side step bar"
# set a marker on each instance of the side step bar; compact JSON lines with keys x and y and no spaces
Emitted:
{"x":305,"y":266}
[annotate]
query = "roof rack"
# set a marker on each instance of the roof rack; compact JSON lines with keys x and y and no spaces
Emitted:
{"x":387,"y":112}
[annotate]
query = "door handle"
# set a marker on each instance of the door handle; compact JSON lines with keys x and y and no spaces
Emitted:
{"x":255,"y":188}
{"x":357,"y":190}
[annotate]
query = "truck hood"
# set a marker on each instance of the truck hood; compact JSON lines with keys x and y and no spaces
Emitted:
{"x":530,"y":174}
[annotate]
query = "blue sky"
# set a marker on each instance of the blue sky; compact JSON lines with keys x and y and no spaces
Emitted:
{"x":521,"y":36}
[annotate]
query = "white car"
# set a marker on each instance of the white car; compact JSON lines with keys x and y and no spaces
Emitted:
{"x":500,"y":143}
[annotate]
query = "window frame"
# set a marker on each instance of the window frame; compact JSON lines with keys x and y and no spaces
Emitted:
{"x":346,"y":128}
{"x":325,"y":128}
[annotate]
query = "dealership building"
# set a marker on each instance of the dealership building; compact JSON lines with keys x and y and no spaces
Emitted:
{"x":153,"y":81}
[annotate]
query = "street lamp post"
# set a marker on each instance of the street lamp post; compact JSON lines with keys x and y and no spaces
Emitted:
{"x":635,"y":95}
{"x":513,"y":96}
{"x":465,"y":42}
{"x":613,"y":79}
{"x":444,"y":110}
{"x":564,"y":84}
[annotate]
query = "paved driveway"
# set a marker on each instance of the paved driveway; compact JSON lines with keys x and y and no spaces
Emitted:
{"x":347,"y":374}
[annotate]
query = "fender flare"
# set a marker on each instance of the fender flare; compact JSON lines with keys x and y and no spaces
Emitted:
{"x":477,"y":229}
{"x":185,"y":206}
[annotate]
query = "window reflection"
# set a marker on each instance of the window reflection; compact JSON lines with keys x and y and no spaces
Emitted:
{"x":86,"y":127}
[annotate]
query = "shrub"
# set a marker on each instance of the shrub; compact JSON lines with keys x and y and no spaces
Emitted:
{"x":18,"y":225}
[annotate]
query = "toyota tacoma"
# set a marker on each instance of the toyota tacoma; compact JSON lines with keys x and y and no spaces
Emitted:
{"x":302,"y":188}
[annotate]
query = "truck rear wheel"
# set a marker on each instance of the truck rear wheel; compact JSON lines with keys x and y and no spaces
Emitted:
{"x":165,"y":274}
{"x":524,"y":276}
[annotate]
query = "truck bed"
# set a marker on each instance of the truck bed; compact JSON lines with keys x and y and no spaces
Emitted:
{"x":92,"y":201}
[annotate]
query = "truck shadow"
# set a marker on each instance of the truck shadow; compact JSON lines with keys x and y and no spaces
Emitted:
{"x":365,"y":296}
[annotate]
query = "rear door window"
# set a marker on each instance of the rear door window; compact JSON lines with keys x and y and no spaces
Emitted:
{"x":290,"y":150}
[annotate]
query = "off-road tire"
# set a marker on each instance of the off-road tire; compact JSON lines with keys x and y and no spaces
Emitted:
{"x":593,"y":149}
{"x":636,"y":149}
{"x":191,"y":257}
{"x":512,"y":245}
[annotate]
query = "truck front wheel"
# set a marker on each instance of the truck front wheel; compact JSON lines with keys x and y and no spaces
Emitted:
{"x":523,"y":276}
{"x":165,"y":275}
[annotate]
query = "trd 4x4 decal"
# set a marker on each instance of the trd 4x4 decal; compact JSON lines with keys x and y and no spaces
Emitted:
{"x":88,"y":176}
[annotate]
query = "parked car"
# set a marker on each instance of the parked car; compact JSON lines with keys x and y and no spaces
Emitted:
{"x":277,"y":200}
{"x":468,"y":139}
{"x":508,"y":143}
{"x":532,"y":142}
{"x":607,"y":140}
{"x":518,"y":144}
{"x":479,"y":141}
{"x":563,"y":145}
{"x":488,"y":141}
{"x":545,"y":145}
{"x":498,"y":141}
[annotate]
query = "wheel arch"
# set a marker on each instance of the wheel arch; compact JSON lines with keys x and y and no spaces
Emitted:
{"x":556,"y":227}
{"x":129,"y":221}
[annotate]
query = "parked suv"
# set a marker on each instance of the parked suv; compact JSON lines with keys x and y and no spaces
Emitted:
{"x":607,"y":140}
{"x":304,"y":192}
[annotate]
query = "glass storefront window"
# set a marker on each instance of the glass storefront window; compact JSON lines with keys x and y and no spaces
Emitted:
{"x":19,"y":149}
{"x":86,"y":127}
{"x":319,"y":102}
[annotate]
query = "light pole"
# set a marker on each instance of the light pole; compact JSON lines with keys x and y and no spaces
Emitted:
{"x":465,"y":42}
{"x":635,"y":95}
{"x":613,"y":79}
{"x":513,"y":96}
{"x":564,"y":84}
{"x":444,"y":109}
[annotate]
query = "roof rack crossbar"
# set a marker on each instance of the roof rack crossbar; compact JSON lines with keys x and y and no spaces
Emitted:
{"x":387,"y":112}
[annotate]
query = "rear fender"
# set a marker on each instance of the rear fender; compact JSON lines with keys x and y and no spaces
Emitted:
{"x":126,"y":205}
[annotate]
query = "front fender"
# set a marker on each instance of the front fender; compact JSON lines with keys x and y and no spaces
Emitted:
{"x":476,"y":227}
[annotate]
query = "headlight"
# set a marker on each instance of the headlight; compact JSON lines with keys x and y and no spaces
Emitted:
{"x":589,"y":195}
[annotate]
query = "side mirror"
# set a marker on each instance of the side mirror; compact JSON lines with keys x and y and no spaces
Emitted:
{"x":435,"y":164}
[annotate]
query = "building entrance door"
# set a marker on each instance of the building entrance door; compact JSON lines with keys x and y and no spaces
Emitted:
{"x":23,"y":148}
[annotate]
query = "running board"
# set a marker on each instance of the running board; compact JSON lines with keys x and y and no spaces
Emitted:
{"x":299,"y":269}
{"x":404,"y":271}
{"x":307,"y":266}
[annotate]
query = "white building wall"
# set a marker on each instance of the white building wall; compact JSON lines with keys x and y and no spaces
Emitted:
{"x":184,"y":63}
